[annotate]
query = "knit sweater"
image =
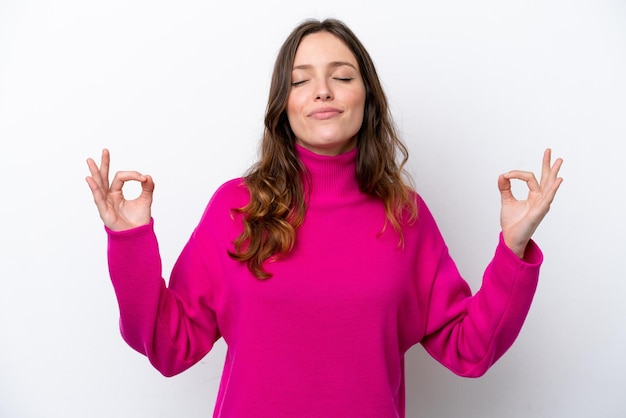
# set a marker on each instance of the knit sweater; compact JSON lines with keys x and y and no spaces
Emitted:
{"x":326,"y":335}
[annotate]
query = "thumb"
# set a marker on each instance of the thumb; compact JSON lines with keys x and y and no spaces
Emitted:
{"x":147,"y":187}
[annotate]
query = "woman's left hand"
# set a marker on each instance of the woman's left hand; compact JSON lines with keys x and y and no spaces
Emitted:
{"x":520,"y":218}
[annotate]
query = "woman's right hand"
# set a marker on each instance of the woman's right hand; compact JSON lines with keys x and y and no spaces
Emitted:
{"x":116,"y":212}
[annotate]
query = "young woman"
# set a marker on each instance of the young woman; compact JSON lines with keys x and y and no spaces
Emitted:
{"x":321,"y":266}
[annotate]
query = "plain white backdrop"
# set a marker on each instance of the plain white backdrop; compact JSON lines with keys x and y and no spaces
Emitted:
{"x":178,"y":90}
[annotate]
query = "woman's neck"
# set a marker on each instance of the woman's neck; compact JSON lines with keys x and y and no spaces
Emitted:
{"x":330,"y":178}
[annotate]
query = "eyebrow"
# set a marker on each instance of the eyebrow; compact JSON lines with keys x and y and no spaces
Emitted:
{"x":333,"y":64}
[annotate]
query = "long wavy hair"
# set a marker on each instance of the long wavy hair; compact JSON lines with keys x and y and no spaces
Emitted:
{"x":276,"y":182}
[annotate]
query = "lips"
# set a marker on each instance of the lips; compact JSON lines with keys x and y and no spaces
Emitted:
{"x":324,"y":113}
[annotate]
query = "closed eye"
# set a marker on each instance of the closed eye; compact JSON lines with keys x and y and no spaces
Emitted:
{"x":344,"y":79}
{"x":298,"y":83}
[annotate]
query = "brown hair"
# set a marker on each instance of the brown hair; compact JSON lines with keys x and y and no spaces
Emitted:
{"x":276,"y":182}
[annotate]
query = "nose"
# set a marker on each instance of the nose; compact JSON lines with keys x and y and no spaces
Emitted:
{"x":323,"y":91}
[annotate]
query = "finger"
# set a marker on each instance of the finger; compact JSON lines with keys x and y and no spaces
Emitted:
{"x":545,"y":167}
{"x":122,"y":177}
{"x":550,"y":192}
{"x":526,"y":176}
{"x":93,"y":186}
{"x":549,"y":171}
{"x":147,"y":188}
{"x":504,"y":185}
{"x":105,"y":162}
{"x":556,"y":167}
{"x":95,"y":173}
{"x":98,"y":186}
{"x":553,"y":181}
{"x":98,"y":196}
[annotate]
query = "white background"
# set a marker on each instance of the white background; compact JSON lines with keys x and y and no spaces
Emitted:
{"x":178,"y":90}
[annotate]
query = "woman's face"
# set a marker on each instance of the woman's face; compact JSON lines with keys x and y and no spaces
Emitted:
{"x":327,"y":97}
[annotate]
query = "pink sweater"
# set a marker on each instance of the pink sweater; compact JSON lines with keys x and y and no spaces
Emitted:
{"x":326,"y":335}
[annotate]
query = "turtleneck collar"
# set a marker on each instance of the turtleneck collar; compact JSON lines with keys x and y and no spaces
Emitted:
{"x":332,"y":178}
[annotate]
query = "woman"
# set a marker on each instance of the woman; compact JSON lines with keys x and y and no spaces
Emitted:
{"x":321,"y":267}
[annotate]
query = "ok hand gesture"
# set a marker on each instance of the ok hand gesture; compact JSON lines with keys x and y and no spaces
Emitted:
{"x":116,"y":212}
{"x":520,"y":218}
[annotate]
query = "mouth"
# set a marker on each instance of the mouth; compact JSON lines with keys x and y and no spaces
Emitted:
{"x":324,"y":113}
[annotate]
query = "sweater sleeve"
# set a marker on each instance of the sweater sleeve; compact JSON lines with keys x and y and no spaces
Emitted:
{"x":469,"y":333}
{"x":174,"y":326}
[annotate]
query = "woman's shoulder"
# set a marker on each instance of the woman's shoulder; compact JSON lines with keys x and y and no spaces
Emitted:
{"x":424,"y":217}
{"x":220,"y":211}
{"x":232,"y":194}
{"x":233,"y":187}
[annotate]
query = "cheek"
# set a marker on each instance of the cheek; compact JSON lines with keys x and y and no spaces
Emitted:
{"x":359,"y":105}
{"x":293,"y":112}
{"x":292,"y":106}
{"x":357,"y":98}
